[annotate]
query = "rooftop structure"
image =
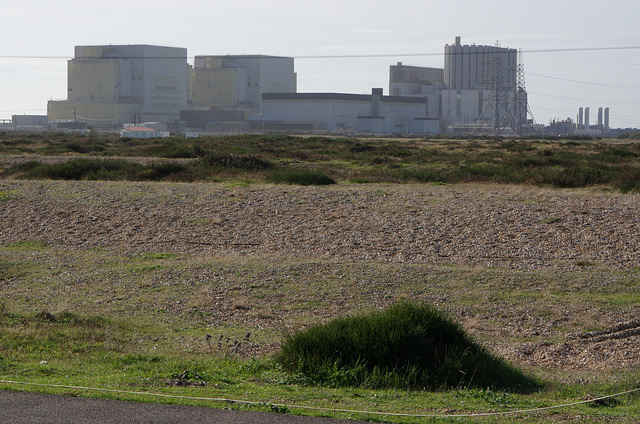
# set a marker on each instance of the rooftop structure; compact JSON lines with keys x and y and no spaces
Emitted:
{"x":471,"y":67}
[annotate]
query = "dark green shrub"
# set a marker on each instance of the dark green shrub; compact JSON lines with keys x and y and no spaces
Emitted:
{"x":629,"y":180}
{"x":103,"y":169}
{"x":227,"y":161}
{"x":299,"y":176}
{"x":86,"y":169}
{"x":162,"y":171}
{"x":407,"y":346}
{"x":169,"y":150}
{"x":577,"y":176}
{"x":23,"y":168}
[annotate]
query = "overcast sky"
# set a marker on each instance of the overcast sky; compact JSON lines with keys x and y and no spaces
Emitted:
{"x":600,"y":68}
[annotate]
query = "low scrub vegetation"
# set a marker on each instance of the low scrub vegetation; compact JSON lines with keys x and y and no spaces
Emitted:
{"x":559,"y":163}
{"x":97,"y":169}
{"x":407,"y":346}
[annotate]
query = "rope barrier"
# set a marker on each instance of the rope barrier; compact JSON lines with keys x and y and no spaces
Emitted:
{"x":315,"y":408}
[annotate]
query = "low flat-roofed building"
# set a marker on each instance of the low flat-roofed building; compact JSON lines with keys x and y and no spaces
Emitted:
{"x":334,"y":112}
{"x":139,"y":132}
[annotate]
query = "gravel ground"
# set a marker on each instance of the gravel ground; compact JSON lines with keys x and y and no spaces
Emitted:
{"x":512,"y":227}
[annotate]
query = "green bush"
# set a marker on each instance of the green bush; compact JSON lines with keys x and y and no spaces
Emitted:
{"x":101,"y":169}
{"x":86,"y":169}
{"x":163,"y":171}
{"x":578,"y":176}
{"x":301,"y":176}
{"x":629,"y":180}
{"x":407,"y":346}
{"x":227,"y":161}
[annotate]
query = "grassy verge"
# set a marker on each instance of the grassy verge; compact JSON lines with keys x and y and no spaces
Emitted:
{"x":207,"y":327}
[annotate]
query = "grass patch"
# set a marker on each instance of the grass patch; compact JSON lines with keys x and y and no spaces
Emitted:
{"x":407,"y":346}
{"x":5,"y":196}
{"x":45,"y":335}
{"x":27,"y":245}
{"x":551,"y":220}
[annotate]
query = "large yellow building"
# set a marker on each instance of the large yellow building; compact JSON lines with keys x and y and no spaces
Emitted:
{"x":216,"y":86}
{"x":112,"y":85}
{"x":239,"y":80}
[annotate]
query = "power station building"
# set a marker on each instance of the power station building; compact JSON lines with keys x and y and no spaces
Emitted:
{"x":345,"y":113}
{"x":114,"y":84}
{"x":416,"y":81}
{"x":225,"y":90}
{"x":472,"y":67}
{"x":583,"y":125}
{"x":484,"y":89}
{"x":479,"y":90}
{"x":240,"y":80}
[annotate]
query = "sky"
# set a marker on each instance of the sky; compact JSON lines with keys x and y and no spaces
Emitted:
{"x":575,"y":54}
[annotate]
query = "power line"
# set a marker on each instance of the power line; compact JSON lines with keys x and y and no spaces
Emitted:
{"x":346,"y":56}
{"x":630,"y":87}
{"x":583,"y":99}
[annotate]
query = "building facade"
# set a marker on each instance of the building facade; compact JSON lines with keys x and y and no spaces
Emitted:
{"x":416,"y":81}
{"x":482,"y":91}
{"x":339,"y":112}
{"x":115,"y":84}
{"x":239,"y":80}
{"x":472,"y":67}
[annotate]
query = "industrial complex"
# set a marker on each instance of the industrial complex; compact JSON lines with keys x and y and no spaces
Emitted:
{"x":479,"y":91}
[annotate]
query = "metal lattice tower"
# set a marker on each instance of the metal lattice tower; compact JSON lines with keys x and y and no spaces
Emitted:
{"x":521,"y":95}
{"x":523,"y":109}
{"x":499,"y":101}
{"x":506,"y":105}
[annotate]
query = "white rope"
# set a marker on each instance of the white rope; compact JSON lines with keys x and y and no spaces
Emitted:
{"x":351,"y":411}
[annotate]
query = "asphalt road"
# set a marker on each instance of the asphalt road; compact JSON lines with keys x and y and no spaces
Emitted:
{"x":31,"y":408}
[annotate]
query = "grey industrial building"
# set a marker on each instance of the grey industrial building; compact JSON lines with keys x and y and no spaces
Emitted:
{"x":346,"y":113}
{"x":225,"y":90}
{"x":474,"y":67}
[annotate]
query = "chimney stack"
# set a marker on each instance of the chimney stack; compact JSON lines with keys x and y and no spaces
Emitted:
{"x":586,"y":118}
